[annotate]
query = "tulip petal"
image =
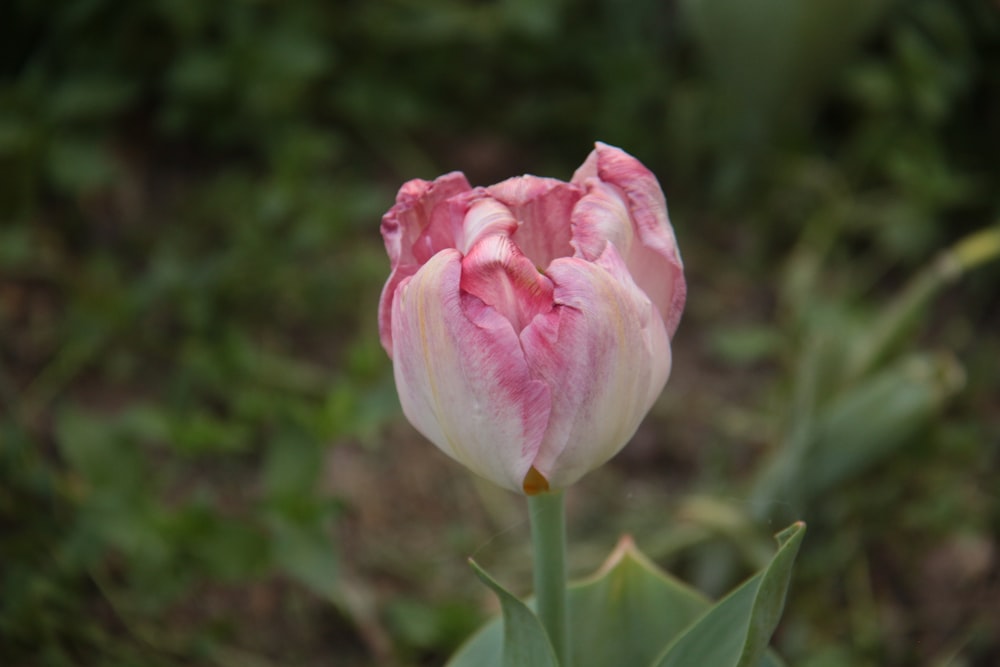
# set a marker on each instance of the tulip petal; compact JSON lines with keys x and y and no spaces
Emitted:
{"x":462,"y":377}
{"x":600,"y":217}
{"x":405,"y":223}
{"x":605,"y":353}
{"x":652,"y":256}
{"x":542,"y":208}
{"x":498,"y":273}
{"x":482,"y":216}
{"x":404,"y":230}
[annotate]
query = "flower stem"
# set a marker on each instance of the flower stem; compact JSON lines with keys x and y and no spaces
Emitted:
{"x":548,"y":537}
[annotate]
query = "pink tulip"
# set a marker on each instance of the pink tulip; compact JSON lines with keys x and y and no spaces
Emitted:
{"x":530,"y":322}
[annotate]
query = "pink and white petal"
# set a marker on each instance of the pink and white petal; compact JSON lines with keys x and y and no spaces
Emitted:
{"x":659,"y":338}
{"x":407,"y":220}
{"x":653,"y":258}
{"x":605,"y":353}
{"x":601,"y":216}
{"x":407,"y":241}
{"x":588,"y":169}
{"x":482,"y":216}
{"x":501,"y":276}
{"x":542,"y":207}
{"x":462,"y":378}
{"x":399,"y":273}
{"x":662,"y":279}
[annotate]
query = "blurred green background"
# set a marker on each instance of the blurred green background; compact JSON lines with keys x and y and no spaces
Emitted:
{"x":202,"y":459}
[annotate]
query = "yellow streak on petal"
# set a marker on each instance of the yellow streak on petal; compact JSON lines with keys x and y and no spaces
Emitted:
{"x":535,"y":482}
{"x":611,"y":296}
{"x":422,"y":303}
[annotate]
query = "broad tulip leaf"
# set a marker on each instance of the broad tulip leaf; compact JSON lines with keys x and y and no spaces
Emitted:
{"x":622,"y":615}
{"x":483,"y":649}
{"x":858,"y":429}
{"x":866,"y":424}
{"x":627,"y":612}
{"x":630,"y":610}
{"x":525,"y":642}
{"x":735,"y":632}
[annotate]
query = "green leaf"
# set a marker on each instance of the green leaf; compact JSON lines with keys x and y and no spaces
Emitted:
{"x":865,"y":425}
{"x":305,"y":550}
{"x":111,"y":467}
{"x":291,"y":468}
{"x":744,"y":345}
{"x":525,"y":642}
{"x":79,"y":165}
{"x":627,"y":612}
{"x":623,"y":614}
{"x":735,"y":632}
{"x":429,"y":625}
{"x":857,"y":429}
{"x":84,"y":98}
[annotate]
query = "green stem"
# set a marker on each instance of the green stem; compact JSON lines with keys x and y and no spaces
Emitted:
{"x":548,"y":537}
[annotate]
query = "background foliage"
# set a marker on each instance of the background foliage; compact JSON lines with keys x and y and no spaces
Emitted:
{"x":201,"y":457}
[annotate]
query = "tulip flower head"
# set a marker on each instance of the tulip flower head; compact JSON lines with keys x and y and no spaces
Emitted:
{"x":529,"y":322}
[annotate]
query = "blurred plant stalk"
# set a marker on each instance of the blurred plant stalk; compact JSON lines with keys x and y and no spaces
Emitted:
{"x":967,"y":254}
{"x":858,"y":397}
